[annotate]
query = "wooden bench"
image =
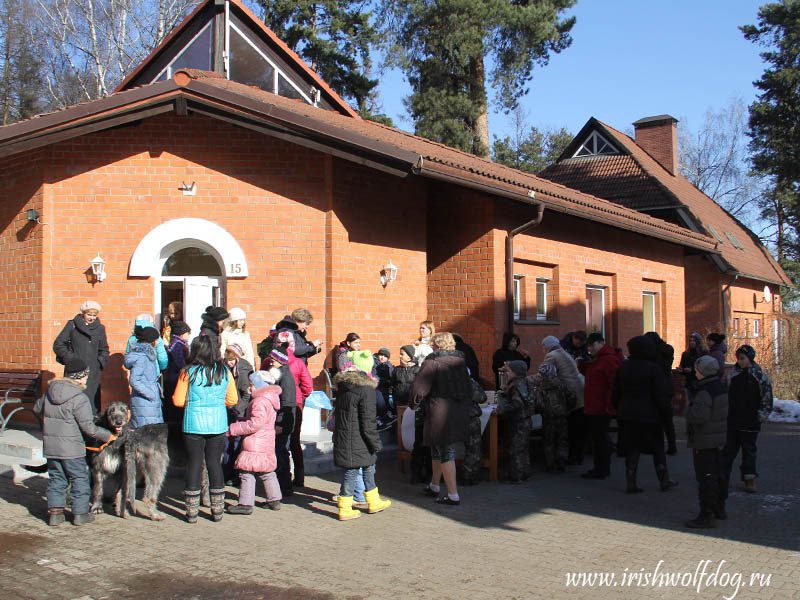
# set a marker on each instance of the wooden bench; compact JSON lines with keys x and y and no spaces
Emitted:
{"x":19,"y":389}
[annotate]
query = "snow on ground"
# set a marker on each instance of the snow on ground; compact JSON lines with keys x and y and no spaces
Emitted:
{"x":785,"y":411}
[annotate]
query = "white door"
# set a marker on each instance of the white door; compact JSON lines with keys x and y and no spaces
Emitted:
{"x":199,"y":293}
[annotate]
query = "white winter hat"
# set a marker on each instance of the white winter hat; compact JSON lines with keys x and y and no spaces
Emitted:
{"x":236,"y":314}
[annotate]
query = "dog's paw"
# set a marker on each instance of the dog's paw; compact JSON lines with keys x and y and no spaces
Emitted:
{"x":97,"y":509}
{"x":157,"y":516}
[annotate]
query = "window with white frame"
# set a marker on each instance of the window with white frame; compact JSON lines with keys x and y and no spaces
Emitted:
{"x":736,"y":327}
{"x":595,"y":144}
{"x":518,"y":296}
{"x":649,"y":311}
{"x":541,"y":299}
{"x":596,"y":309}
{"x":756,"y":328}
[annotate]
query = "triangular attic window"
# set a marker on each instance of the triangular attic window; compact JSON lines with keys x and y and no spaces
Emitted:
{"x":195,"y":55}
{"x":595,"y":144}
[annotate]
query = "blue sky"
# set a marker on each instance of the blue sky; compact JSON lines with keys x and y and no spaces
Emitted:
{"x":631,"y":59}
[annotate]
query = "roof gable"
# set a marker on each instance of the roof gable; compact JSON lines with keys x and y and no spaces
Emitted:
{"x":637,"y":180}
{"x":227,"y":38}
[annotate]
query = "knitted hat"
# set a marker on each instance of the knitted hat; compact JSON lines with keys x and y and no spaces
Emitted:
{"x":144,"y":317}
{"x":90,"y":305}
{"x":519,"y":367}
{"x":697,"y":337}
{"x":146,"y":335}
{"x":237,"y":314}
{"x":261,"y":379}
{"x":409,"y":350}
{"x":707,"y":365}
{"x":384,"y":352}
{"x":748,"y":351}
{"x":236,"y":349}
{"x":548,"y":370}
{"x":217,"y":313}
{"x":551,"y":342}
{"x":280,"y":356}
{"x":76,"y":368}
{"x":180,"y":327}
{"x":362,"y":360}
{"x":717,"y":338}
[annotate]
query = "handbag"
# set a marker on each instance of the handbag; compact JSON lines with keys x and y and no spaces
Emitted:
{"x":331,"y":424}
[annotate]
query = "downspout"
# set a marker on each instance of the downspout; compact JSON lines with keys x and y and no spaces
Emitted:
{"x":510,"y":260}
{"x":724,"y":307}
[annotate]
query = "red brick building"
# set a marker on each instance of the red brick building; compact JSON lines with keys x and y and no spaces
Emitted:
{"x":267,"y":192}
{"x":736,"y":291}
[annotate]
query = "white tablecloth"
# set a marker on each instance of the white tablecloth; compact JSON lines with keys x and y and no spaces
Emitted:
{"x":407,"y":426}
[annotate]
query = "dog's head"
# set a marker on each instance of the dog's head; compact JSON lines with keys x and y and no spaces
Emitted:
{"x":117,"y":416}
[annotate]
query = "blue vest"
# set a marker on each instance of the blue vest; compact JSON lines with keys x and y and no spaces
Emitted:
{"x":205,"y":411}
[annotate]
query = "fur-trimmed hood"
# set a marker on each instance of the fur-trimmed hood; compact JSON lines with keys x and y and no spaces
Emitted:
{"x":354,"y":378}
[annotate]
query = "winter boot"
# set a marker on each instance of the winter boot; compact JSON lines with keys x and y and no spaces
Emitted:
{"x":630,"y":478}
{"x":192,"y":502}
{"x":299,"y":478}
{"x":217,"y":498}
{"x":82,"y":519}
{"x":240,"y":509}
{"x":346,"y":511}
{"x":374,"y":501}
{"x":56,"y":516}
{"x":704,"y":520}
{"x":663,"y":478}
{"x":750,"y":485}
{"x":273,"y":505}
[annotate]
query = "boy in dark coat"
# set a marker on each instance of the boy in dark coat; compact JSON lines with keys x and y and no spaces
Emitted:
{"x":67,"y":413}
{"x":402,"y":380}
{"x":355,"y":440}
{"x":749,"y":405}
{"x":706,"y":419}
{"x":517,"y":402}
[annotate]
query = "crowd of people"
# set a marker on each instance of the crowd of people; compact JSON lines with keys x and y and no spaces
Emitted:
{"x":240,"y":412}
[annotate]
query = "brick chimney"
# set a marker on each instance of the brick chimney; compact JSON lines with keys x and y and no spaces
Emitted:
{"x":658,"y":136}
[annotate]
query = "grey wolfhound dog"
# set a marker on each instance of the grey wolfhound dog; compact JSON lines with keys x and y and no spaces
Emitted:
{"x":140,"y":452}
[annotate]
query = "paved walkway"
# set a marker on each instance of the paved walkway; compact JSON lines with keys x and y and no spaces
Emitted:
{"x":503,"y":542}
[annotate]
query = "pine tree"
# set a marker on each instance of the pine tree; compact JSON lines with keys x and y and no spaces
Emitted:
{"x":444,"y":45}
{"x":335,"y":37}
{"x":775,"y":121}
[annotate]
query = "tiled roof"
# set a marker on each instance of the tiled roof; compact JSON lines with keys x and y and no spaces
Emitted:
{"x":637,"y":180}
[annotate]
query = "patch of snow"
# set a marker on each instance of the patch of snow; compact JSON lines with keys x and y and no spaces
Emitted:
{"x":785,"y":411}
{"x":776,"y":502}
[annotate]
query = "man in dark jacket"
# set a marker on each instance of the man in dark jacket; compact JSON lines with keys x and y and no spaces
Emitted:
{"x":84,"y":337}
{"x":67,"y":412}
{"x":576,"y":345}
{"x":665,"y":356}
{"x":749,"y":405}
{"x":706,"y":419}
{"x":284,"y":422}
{"x":597,"y":406}
{"x":642,"y":408}
{"x":212,"y":324}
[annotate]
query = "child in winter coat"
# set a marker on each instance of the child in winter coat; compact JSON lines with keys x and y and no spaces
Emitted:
{"x":235,"y":332}
{"x":517,"y":400}
{"x":355,"y":438}
{"x":145,"y":320}
{"x":257,"y":458}
{"x":555,"y":400}
{"x":750,"y":403}
{"x":141,"y":362}
{"x":382,"y":371}
{"x":68,"y":412}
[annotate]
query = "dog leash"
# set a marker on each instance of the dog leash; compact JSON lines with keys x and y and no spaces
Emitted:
{"x":111,"y":439}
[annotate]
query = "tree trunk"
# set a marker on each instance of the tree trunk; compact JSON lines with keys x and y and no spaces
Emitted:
{"x":477,"y":89}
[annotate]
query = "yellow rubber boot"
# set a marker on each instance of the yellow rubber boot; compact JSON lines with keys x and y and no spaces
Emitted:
{"x":346,"y":511}
{"x":375,"y":502}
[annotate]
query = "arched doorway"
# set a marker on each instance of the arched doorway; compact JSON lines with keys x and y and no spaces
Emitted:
{"x":192,"y":276}
{"x":190,"y":261}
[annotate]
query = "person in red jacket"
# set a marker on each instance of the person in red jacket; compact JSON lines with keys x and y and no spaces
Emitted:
{"x":599,"y":373}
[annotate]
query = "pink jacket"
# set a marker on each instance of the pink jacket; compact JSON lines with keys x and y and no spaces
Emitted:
{"x":258,"y":446}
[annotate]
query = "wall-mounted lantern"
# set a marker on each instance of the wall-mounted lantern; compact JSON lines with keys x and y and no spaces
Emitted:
{"x":98,"y":268}
{"x":389,"y":274}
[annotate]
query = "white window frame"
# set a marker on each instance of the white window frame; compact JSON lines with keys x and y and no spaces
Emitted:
{"x":596,"y":140}
{"x":776,"y":340}
{"x":272,"y":64}
{"x":168,"y":68}
{"x":518,"y":296}
{"x":602,"y":289}
{"x":654,"y":296}
{"x":541,"y":311}
{"x":756,"y":328}
{"x":736,"y":327}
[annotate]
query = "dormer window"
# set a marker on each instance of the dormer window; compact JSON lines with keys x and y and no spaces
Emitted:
{"x":596,"y":144}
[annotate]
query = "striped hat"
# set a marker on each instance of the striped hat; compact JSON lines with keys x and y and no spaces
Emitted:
{"x":279,"y":356}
